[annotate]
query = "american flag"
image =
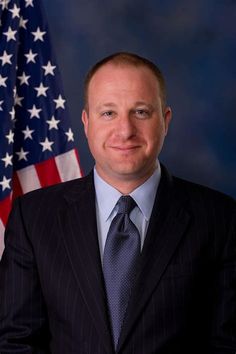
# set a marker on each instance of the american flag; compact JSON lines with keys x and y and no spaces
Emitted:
{"x":36,"y":141}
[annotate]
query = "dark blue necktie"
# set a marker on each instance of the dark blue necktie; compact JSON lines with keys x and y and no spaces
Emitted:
{"x":121,"y":252}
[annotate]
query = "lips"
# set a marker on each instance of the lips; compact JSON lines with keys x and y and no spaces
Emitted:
{"x":125,"y":148}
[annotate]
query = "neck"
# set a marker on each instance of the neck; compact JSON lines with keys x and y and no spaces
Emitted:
{"x":126,"y":185}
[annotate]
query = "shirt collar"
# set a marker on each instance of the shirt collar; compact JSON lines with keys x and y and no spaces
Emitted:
{"x":106,"y":196}
{"x":144,"y":196}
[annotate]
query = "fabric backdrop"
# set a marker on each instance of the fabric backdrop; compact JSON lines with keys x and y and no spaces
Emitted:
{"x":194,"y":44}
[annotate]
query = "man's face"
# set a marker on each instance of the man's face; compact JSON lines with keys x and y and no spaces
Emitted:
{"x":125,"y":124}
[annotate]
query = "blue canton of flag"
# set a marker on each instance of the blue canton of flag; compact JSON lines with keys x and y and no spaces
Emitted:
{"x":36,"y":142}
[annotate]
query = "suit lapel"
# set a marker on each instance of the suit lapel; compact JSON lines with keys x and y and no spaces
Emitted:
{"x":167,"y":226}
{"x":79,"y":230}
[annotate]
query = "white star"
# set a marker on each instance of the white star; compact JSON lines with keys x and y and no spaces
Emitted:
{"x":46,"y":144}
{"x":10,"y":137}
{"x":3,"y":81}
{"x":12,"y":113}
{"x":1,"y":102}
{"x":10,"y":34}
{"x":6,"y":58}
{"x":60,"y":102}
{"x":31,"y":57}
{"x":4,"y":4}
{"x":38,"y":35}
{"x":18,"y":100}
{"x":49,"y":69}
{"x":27,"y":133}
{"x":53,"y":123}
{"x":23,"y":23}
{"x":41,"y":90}
{"x":5,"y":183}
{"x":7,"y":159}
{"x":34,"y":112}
{"x":24,"y":79}
{"x":22,"y":154}
{"x":70,"y":135}
{"x":15,"y":11}
{"x":29,"y":3}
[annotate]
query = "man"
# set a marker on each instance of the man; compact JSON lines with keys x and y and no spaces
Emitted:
{"x":65,"y":287}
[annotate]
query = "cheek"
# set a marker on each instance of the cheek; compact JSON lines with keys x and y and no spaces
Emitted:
{"x":154,"y":137}
{"x":96,"y":138}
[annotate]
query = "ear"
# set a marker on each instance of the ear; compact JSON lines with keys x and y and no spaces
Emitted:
{"x":167,"y":118}
{"x":84,"y":119}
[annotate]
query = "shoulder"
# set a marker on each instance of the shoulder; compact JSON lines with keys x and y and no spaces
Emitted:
{"x":198,"y":200}
{"x":54,"y":196}
{"x":206,"y":201}
{"x":198,"y":191}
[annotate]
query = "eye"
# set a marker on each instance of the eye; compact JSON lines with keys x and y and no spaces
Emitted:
{"x":142,"y":113}
{"x":108,"y":114}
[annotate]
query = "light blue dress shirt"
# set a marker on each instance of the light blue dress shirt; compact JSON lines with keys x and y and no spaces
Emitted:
{"x":106,"y":208}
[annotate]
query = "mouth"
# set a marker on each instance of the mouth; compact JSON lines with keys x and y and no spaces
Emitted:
{"x":124,"y":151}
{"x":123,"y":148}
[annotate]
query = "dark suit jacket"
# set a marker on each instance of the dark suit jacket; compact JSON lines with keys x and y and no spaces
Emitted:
{"x":184,"y":299}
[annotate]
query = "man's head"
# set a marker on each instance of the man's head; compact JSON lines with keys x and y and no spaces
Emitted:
{"x":125,"y":119}
{"x":126,"y":59}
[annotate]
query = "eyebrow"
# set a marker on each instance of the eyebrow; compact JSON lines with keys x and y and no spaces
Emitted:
{"x":105,"y":105}
{"x":113,"y":105}
{"x":143,"y":103}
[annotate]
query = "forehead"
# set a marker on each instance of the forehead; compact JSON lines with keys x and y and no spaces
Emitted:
{"x":121,"y":77}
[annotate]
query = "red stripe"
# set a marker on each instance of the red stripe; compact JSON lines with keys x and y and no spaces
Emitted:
{"x":17,"y":190}
{"x":5,"y":207}
{"x":47,"y":172}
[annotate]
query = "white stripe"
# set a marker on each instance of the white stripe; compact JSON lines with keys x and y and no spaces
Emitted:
{"x":2,"y":229}
{"x":29,"y":179}
{"x":68,"y":166}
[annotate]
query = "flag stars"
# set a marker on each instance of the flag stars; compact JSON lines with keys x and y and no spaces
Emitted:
{"x":41,"y":90}
{"x":31,"y":57}
{"x":24,"y":79}
{"x":3,"y":81}
{"x":18,"y":100}
{"x":23,"y":22}
{"x":22,"y":154}
{"x":7,"y":160}
{"x":34,"y":112}
{"x":47,"y":145}
{"x":15,"y":11}
{"x":10,"y":137}
{"x":12,"y":113}
{"x":27,"y":133}
{"x":4,"y":4}
{"x":38,"y":35}
{"x":6,"y":58}
{"x":10,"y":34}
{"x":29,"y":3}
{"x":70,"y":135}
{"x":49,"y":69}
{"x":5,"y":183}
{"x":53,"y":123}
{"x":60,"y":102}
{"x":1,"y":102}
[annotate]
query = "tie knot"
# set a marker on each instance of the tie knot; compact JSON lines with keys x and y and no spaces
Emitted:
{"x":126,"y":204}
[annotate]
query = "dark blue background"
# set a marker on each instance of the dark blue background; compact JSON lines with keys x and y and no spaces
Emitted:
{"x":193,"y":42}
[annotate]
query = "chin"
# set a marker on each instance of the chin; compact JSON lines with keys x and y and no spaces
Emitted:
{"x":128,"y":173}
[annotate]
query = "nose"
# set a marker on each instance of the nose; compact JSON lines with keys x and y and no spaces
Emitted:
{"x":126,"y":127}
